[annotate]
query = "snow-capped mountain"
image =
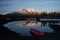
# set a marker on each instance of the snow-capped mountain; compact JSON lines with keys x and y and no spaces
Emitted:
{"x":33,"y":10}
{"x":30,"y":11}
{"x":22,"y":11}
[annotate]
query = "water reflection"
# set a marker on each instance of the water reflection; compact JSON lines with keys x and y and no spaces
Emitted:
{"x":29,"y":23}
{"x":23,"y":30}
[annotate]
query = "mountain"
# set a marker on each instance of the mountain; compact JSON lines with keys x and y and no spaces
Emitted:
{"x":30,"y":10}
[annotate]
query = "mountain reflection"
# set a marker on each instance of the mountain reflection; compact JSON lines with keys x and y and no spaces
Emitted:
{"x":31,"y":23}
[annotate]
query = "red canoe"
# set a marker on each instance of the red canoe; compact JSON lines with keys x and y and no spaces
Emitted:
{"x":36,"y":33}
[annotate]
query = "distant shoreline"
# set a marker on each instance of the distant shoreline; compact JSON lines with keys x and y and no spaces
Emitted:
{"x":50,"y":19}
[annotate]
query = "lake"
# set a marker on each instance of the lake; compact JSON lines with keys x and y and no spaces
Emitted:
{"x":24,"y":30}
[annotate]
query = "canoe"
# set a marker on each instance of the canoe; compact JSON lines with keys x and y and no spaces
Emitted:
{"x":36,"y":33}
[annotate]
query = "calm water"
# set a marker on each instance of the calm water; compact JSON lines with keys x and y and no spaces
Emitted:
{"x":24,"y":30}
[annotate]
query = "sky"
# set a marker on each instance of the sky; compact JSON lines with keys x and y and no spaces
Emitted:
{"x":13,"y":5}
